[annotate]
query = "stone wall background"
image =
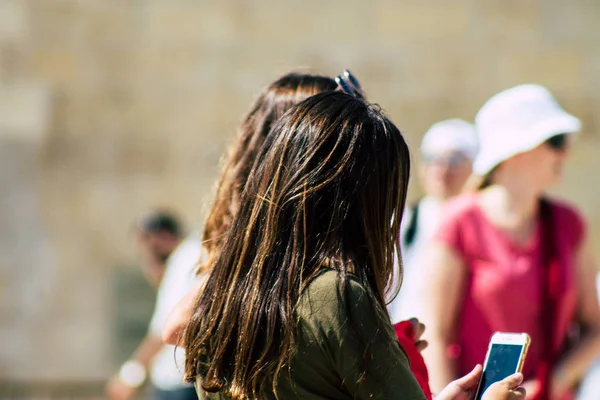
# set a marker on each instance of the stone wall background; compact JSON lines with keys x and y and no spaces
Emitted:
{"x":108,"y":107}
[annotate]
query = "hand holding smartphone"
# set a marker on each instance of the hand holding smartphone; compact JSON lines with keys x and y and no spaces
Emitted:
{"x":506,"y":356}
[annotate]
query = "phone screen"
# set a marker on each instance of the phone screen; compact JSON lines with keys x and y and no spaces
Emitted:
{"x":502,"y":362}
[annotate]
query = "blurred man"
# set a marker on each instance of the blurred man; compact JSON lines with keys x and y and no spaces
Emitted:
{"x":168,"y":263}
{"x":447,"y":152}
{"x":157,"y":235}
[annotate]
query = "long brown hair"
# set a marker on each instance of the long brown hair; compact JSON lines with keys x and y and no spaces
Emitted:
{"x":327,"y":190}
{"x":269,"y":106}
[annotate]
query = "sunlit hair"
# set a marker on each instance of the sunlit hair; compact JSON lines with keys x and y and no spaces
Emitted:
{"x":270,"y":105}
{"x":327,"y":191}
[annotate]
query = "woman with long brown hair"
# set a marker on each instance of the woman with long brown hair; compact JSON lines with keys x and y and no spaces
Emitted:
{"x":269,"y":106}
{"x":295,"y":304}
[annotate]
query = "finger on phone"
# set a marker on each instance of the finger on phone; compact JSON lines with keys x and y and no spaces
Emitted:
{"x":470,"y":381}
{"x":513,"y":381}
{"x":521,"y":391}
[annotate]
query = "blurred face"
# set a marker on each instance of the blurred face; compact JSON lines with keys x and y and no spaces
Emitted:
{"x":157,"y":246}
{"x":543,"y":166}
{"x":443,"y":175}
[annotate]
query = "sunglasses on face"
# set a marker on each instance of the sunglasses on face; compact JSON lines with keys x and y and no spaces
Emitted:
{"x":558,"y":142}
{"x":349,"y":84}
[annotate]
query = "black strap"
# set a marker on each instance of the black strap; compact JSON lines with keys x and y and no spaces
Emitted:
{"x":411,"y":229}
{"x":549,"y":299}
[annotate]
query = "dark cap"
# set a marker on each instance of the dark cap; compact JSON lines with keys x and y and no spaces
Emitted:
{"x":160,"y":221}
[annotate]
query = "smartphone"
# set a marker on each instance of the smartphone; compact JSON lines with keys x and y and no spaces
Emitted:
{"x":506,"y":356}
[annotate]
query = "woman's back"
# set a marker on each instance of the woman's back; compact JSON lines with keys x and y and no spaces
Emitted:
{"x":330,"y":359}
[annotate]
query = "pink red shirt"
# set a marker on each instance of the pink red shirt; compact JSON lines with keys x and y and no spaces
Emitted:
{"x":504,"y":280}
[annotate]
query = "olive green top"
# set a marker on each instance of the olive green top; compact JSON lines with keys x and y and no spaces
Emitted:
{"x":330,"y":360}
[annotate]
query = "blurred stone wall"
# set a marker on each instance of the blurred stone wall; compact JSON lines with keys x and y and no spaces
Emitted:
{"x":108,"y":107}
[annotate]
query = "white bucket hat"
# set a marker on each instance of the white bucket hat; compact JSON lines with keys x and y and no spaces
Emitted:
{"x":450,"y":135}
{"x":518,"y":120}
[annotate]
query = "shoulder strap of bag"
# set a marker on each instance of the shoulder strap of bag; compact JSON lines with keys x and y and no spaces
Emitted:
{"x":550,"y":297}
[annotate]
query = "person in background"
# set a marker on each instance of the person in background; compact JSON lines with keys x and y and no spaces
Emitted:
{"x":295,"y":304}
{"x":170,"y":264}
{"x":157,"y":234}
{"x":447,"y":152}
{"x":507,"y":257}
